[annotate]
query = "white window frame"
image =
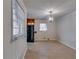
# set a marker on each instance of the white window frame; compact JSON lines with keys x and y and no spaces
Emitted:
{"x":43,"y":27}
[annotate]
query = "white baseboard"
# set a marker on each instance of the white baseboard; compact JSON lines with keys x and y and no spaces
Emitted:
{"x":67,"y":44}
{"x":24,"y":53}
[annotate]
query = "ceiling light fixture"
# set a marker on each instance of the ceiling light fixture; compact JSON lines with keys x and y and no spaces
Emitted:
{"x":51,"y":16}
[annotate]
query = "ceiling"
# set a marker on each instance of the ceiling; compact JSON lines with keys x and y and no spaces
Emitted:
{"x":40,"y":8}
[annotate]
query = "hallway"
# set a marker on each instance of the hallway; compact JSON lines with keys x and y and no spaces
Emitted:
{"x":36,"y":21}
{"x":49,"y":50}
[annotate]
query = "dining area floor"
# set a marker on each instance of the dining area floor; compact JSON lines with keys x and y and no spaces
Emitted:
{"x":49,"y":50}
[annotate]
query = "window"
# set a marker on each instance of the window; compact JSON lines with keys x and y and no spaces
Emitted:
{"x":17,"y":20}
{"x":43,"y":27}
{"x":15,"y":24}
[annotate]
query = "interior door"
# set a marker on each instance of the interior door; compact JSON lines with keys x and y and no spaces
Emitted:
{"x":30,"y":33}
{"x":30,"y":30}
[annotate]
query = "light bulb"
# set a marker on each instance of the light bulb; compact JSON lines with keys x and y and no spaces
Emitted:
{"x":51,"y":18}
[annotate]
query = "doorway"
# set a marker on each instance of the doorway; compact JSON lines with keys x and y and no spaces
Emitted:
{"x":30,"y":30}
{"x":30,"y":33}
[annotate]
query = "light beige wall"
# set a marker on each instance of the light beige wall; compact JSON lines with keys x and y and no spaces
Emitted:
{"x":11,"y":50}
{"x":49,"y":34}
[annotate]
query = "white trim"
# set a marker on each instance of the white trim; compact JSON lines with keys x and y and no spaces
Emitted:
{"x":67,"y":44}
{"x":24,"y":53}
